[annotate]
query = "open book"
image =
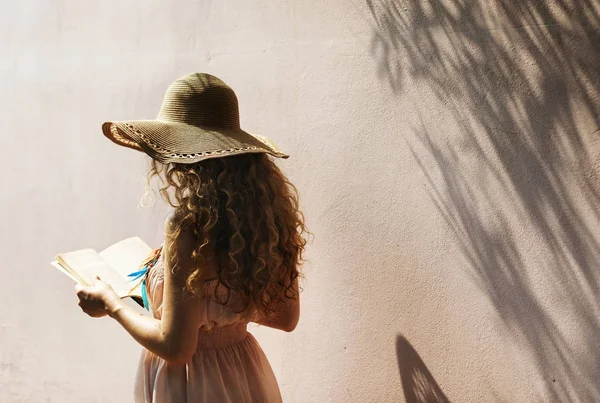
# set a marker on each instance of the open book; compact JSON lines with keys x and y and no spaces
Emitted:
{"x":112,"y":265}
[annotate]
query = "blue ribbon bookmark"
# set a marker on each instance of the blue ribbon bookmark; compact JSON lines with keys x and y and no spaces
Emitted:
{"x":136,"y":275}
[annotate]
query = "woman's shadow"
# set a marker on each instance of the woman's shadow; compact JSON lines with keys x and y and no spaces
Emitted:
{"x":417,"y":382}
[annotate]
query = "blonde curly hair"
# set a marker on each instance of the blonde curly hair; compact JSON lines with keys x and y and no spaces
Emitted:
{"x":245,"y":210}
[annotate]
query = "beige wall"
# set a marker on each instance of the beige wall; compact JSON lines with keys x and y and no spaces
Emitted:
{"x":448,"y":159}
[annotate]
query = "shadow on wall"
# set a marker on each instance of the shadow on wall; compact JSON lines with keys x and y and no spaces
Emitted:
{"x":521,"y":81}
{"x":417,"y":382}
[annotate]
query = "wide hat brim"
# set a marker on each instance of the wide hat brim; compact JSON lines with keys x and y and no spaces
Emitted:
{"x":174,"y":142}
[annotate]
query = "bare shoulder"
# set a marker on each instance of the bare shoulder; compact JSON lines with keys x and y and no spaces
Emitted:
{"x":185,"y":245}
{"x":183,"y":237}
{"x":171,"y":220}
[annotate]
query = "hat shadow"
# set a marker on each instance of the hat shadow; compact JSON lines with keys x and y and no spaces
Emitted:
{"x":417,"y":381}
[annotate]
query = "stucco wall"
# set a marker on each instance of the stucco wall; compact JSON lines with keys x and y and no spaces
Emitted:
{"x":448,"y":159}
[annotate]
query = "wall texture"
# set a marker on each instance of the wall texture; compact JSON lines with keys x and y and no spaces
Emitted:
{"x":448,"y":158}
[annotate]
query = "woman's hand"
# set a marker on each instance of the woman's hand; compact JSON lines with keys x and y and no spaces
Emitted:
{"x":95,"y":300}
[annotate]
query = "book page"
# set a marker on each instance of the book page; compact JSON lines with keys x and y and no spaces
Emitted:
{"x":87,"y":264}
{"x":72,"y":276}
{"x":126,"y":256}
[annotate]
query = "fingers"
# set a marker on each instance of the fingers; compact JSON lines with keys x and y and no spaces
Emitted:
{"x":84,"y":305}
{"x":98,"y":281}
{"x":81,"y":292}
{"x":90,"y":304}
{"x":92,"y":310}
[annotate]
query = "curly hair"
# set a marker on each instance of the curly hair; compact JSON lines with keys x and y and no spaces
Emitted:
{"x":245,"y":210}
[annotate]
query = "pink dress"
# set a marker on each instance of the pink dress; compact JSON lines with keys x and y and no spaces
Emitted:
{"x":228,"y":366}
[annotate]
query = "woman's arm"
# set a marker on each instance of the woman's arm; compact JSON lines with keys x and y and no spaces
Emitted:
{"x":287,"y":313}
{"x":175,"y":335}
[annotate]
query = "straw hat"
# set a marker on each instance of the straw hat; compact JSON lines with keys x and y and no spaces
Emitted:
{"x":199,"y":119}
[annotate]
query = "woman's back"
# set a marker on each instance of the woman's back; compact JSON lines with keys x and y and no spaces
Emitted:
{"x":227,"y":366}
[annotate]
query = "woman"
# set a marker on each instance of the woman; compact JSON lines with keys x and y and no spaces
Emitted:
{"x":233,"y":244}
